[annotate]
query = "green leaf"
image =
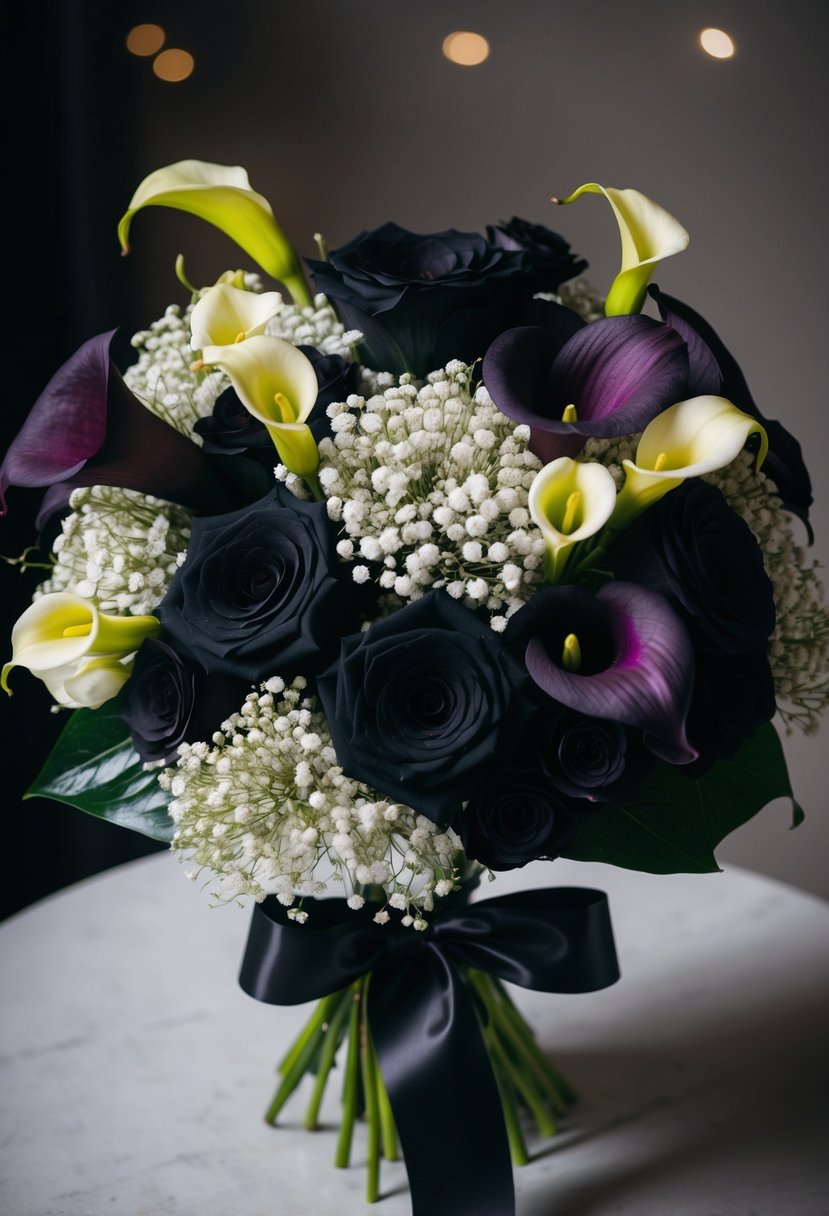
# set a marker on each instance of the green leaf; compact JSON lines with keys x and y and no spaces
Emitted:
{"x":94,"y":766}
{"x":671,"y":823}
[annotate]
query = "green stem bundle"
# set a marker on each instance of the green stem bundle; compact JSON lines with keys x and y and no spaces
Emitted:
{"x":526,"y":1080}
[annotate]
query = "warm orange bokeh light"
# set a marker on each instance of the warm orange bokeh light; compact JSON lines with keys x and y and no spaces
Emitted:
{"x":717,"y":43}
{"x":465,"y":48}
{"x":145,"y":39}
{"x":174,"y":65}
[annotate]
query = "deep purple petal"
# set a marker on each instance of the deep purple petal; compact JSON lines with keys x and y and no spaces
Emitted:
{"x":516,"y":370}
{"x":88,"y":427}
{"x":66,"y":424}
{"x":704,"y":375}
{"x":619,"y":373}
{"x":648,"y":683}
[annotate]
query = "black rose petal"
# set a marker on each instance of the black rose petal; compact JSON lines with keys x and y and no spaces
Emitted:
{"x":516,"y":817}
{"x":700,"y":552}
{"x":423,"y":702}
{"x":257,"y":595}
{"x":401,"y":289}
{"x":169,"y":700}
{"x":591,"y":758}
{"x":547,"y":256}
{"x":733,"y":697}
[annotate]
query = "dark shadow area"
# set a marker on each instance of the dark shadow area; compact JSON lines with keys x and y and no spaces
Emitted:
{"x":71,"y":107}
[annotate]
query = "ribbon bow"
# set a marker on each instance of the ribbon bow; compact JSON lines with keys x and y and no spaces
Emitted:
{"x":423,"y":1020}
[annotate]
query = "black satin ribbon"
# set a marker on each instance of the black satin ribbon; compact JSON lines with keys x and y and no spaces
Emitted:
{"x":422,"y":1014}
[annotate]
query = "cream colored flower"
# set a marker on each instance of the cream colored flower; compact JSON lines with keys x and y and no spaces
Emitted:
{"x":649,"y":234}
{"x":225,"y":315}
{"x":76,"y":650}
{"x":569,"y":501}
{"x":689,"y":439}
{"x":222,"y":195}
{"x":278,"y":385}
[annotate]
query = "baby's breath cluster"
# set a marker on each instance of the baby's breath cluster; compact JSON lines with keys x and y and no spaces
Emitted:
{"x":317,"y":326}
{"x":430,"y":486}
{"x":580,"y":295}
{"x":799,"y":647}
{"x":265,"y":807}
{"x":118,"y":548}
{"x":161,"y":377}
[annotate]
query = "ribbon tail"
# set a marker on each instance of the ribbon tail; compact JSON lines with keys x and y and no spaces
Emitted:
{"x":441,"y":1088}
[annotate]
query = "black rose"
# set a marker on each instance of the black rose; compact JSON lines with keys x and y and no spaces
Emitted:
{"x":592,"y":758}
{"x":336,"y":377}
{"x":256,"y":595}
{"x":547,"y":256}
{"x":239,"y":445}
{"x":422,"y":300}
{"x":693,"y":546}
{"x":232,"y":428}
{"x":516,"y":817}
{"x":169,"y":700}
{"x":423,"y":702}
{"x":733,"y":697}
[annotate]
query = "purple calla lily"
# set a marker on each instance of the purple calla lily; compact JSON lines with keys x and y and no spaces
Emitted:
{"x":714,"y":368}
{"x":634,"y":665}
{"x":610,"y":378}
{"x":87,"y":427}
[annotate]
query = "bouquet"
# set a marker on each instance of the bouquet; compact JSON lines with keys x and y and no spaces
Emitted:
{"x":357,"y":597}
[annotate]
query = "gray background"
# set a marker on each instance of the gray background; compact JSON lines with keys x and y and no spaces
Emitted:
{"x":347,"y":115}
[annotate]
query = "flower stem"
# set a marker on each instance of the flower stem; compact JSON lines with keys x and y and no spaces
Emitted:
{"x":312,"y":1027}
{"x":301,"y":1062}
{"x":388,"y":1130}
{"x":351,"y":1081}
{"x":372,"y":1110}
{"x":517,"y":1147}
{"x":564,"y":1092}
{"x":330,"y":1043}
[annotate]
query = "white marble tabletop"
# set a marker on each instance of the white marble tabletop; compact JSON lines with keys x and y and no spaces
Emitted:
{"x":134,"y":1071}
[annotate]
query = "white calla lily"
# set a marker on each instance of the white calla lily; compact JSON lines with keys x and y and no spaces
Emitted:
{"x":222,"y":195}
{"x":60,"y":636}
{"x":649,"y":235}
{"x":689,"y":439}
{"x":87,"y":683}
{"x":278,"y":385}
{"x":570,"y":500}
{"x":225,"y":315}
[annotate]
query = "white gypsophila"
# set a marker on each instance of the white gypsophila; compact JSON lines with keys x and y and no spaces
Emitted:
{"x":118,"y":548}
{"x":316,"y":325}
{"x":268,"y":810}
{"x":581,"y":296}
{"x":799,"y":646}
{"x":430,"y":484}
{"x":162,"y":378}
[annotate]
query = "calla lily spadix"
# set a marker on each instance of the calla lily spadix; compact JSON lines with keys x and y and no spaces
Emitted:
{"x":569,"y":501}
{"x":621,"y":655}
{"x":277,"y":384}
{"x":222,"y":195}
{"x":649,"y":235}
{"x":690,"y":439}
{"x":608,"y":378}
{"x":225,"y":315}
{"x":75,"y":649}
